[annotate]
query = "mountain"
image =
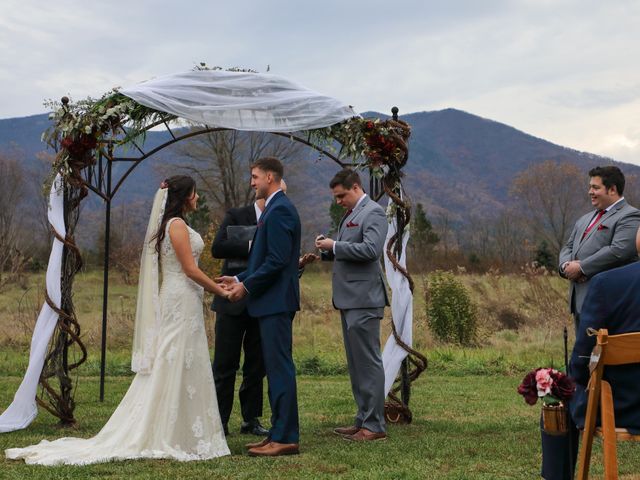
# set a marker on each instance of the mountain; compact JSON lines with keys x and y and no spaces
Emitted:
{"x":464,"y":165}
{"x":460,"y":165}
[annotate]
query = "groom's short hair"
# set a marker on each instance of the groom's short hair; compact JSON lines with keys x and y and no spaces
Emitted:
{"x":270,"y":164}
{"x":347,"y":178}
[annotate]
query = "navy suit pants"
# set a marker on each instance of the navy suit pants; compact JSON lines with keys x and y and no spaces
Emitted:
{"x":277,"y":338}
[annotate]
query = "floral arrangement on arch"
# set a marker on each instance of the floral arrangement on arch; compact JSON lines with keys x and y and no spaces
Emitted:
{"x":381,"y":143}
{"x":81,"y":129}
{"x":551,"y":386}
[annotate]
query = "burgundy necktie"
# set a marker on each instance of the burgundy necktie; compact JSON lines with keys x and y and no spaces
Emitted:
{"x":346,"y":215}
{"x":593,"y":224}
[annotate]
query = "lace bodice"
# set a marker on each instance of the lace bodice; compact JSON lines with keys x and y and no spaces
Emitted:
{"x":170,"y":263}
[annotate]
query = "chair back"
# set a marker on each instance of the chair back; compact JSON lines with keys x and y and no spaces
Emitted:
{"x":619,"y":349}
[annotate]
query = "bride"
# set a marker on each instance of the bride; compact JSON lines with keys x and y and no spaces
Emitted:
{"x":170,"y":410}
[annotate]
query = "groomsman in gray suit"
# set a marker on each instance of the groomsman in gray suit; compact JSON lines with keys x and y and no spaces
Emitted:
{"x":360,"y":294}
{"x":602,"y":239}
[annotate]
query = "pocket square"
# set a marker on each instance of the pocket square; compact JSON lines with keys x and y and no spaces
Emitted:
{"x":351,"y":224}
{"x":603,"y":227}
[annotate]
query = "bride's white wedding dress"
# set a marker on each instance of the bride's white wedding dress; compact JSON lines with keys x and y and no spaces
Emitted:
{"x":171,"y":412}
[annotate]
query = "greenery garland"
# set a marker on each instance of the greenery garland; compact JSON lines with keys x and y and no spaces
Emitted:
{"x":80,"y":129}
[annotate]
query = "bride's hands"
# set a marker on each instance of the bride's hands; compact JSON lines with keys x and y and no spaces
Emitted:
{"x":225,"y":281}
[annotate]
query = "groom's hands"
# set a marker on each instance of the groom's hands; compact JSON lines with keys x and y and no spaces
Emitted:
{"x":236,"y":292}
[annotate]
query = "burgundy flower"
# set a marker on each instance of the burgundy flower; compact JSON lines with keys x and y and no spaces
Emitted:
{"x":528,"y":388}
{"x":66,"y":142}
{"x":563,"y":386}
{"x":369,"y":125}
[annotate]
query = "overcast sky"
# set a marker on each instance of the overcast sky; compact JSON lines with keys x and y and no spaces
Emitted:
{"x":564,"y":70}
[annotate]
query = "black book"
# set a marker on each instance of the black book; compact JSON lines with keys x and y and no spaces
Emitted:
{"x":241,"y":234}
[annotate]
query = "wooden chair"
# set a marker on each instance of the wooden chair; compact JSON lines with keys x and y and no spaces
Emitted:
{"x":609,"y":350}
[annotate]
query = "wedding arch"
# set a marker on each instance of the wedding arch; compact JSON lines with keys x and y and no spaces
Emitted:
{"x":90,"y":136}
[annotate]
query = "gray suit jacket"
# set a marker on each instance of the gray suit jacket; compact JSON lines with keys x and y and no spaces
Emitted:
{"x":358,"y":281}
{"x":610,"y":243}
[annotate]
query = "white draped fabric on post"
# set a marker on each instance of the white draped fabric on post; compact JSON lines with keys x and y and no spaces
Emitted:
{"x":23,"y":409}
{"x":240,"y":101}
{"x":401,"y":310}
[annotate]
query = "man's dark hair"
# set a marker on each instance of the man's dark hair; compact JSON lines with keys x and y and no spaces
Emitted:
{"x":610,"y":176}
{"x":347,"y":178}
{"x":270,"y":164}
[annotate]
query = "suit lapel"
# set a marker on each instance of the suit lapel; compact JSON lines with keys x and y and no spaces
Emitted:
{"x":606,"y":216}
{"x":267,"y":208}
{"x":354,"y":214}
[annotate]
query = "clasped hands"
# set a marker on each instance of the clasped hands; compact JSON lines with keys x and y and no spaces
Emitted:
{"x":235,"y":290}
{"x":573,"y":272}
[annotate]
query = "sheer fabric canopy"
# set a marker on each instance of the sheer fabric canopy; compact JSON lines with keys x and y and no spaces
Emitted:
{"x":240,"y":101}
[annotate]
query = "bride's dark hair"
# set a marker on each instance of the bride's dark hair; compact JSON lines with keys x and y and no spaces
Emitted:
{"x":180,"y":189}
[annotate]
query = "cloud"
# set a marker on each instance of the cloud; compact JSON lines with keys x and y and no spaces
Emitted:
{"x":551,"y":68}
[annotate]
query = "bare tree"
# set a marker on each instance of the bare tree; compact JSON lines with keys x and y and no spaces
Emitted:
{"x":13,"y":257}
{"x":220,"y":163}
{"x":443,"y":229}
{"x":552,"y":196}
{"x":509,"y":240}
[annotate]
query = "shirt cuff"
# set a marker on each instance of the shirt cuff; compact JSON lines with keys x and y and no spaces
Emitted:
{"x":334,"y":247}
{"x":236,"y":279}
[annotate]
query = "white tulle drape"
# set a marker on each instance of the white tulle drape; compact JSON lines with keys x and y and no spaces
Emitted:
{"x":23,"y":409}
{"x":147,"y":324}
{"x":401,"y":309}
{"x":240,"y":101}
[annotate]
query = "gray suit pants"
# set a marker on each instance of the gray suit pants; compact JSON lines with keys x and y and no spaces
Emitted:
{"x":361,"y":333}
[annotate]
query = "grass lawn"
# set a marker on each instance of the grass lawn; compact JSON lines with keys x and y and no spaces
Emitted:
{"x":465,"y":427}
{"x":469,"y":422}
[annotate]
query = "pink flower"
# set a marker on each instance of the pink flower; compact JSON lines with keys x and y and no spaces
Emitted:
{"x":544,"y":381}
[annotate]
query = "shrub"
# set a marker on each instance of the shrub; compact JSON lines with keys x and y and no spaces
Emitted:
{"x":450,"y":313}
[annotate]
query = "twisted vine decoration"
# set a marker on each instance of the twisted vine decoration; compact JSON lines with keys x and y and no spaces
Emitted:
{"x":396,"y":410}
{"x":57,"y":364}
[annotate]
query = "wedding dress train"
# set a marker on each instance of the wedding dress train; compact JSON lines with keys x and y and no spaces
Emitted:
{"x":171,"y":411}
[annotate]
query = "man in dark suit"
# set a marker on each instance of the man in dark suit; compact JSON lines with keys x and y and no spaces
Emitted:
{"x":601,"y":239}
{"x":612,"y":302}
{"x":272,"y":288}
{"x":236,"y":330}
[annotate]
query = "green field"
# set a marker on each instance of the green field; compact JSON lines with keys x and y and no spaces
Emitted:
{"x":469,"y":421}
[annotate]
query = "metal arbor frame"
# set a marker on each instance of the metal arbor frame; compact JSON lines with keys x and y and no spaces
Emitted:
{"x":98,"y":178}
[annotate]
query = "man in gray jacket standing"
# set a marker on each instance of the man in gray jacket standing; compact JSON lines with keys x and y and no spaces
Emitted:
{"x":602,"y":239}
{"x":360,"y":294}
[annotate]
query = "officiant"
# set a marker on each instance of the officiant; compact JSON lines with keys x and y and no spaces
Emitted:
{"x":236,"y":331}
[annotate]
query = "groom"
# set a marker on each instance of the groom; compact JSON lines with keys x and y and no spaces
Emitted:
{"x":271,"y":284}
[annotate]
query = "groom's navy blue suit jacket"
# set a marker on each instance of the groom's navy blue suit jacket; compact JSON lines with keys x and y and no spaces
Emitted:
{"x":271,"y":277}
{"x":612,"y":302}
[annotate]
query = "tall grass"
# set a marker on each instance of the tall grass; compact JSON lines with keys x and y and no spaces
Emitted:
{"x":520,"y":324}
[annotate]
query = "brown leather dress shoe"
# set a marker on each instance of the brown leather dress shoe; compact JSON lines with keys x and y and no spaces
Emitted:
{"x":261,"y":443}
{"x":364,"y":435}
{"x":346,"y":430}
{"x":275,"y":449}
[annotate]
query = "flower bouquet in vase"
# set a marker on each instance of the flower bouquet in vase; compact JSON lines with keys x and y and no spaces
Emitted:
{"x":554,"y":388}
